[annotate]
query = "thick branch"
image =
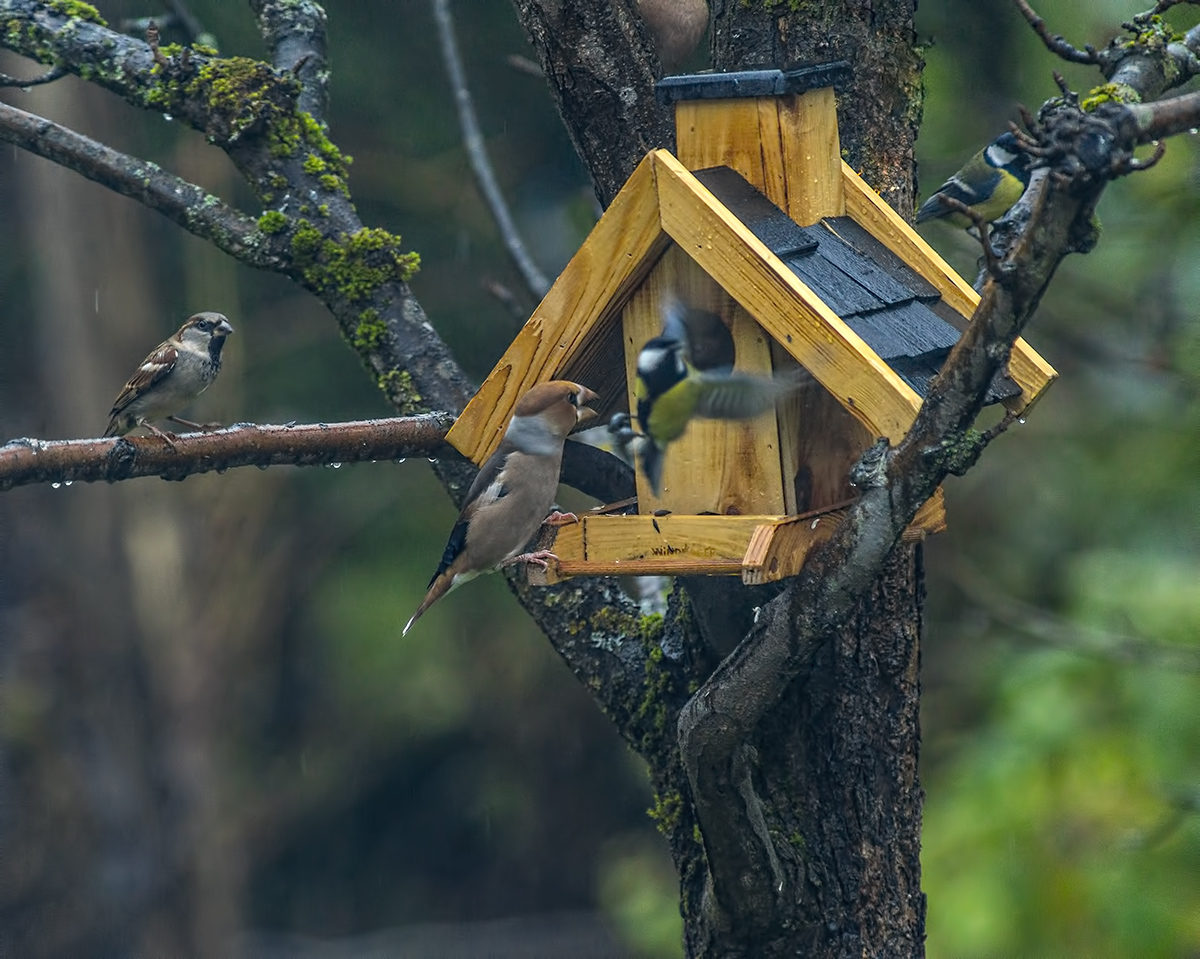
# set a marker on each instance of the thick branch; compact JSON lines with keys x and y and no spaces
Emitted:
{"x":1164,"y":118}
{"x":178,"y":200}
{"x":27,"y":461}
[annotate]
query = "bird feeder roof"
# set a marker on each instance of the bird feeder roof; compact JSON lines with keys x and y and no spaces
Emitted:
{"x":859,"y":299}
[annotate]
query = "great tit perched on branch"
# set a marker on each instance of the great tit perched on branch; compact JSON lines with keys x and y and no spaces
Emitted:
{"x":990,"y":183}
{"x":670,"y":390}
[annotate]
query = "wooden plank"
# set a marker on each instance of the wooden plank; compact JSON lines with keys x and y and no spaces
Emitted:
{"x":786,"y":307}
{"x":718,"y":467}
{"x":779,"y":548}
{"x":812,"y":156}
{"x":1032,"y":373}
{"x":618,"y":253}
{"x":675,"y":545}
{"x":930,"y":518}
{"x":723,"y":133}
{"x":679,"y":545}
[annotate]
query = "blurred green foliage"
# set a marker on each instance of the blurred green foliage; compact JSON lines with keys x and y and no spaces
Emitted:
{"x":1063,"y":784}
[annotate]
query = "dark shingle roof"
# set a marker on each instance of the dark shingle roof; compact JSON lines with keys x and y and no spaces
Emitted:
{"x":897,"y":312}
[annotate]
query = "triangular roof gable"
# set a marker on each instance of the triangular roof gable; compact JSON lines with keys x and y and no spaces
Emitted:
{"x":662,"y":201}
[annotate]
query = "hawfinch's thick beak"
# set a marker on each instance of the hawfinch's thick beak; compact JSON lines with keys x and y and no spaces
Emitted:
{"x":223,"y":328}
{"x":585,"y":412}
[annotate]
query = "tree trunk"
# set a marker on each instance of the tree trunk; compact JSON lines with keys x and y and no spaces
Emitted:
{"x":835,"y":766}
{"x":828,"y":794}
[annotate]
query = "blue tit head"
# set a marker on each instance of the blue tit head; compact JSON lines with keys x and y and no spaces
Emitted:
{"x":989,"y":183}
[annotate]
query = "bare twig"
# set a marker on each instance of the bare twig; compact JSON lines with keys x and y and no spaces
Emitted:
{"x":54,"y":73}
{"x":523,"y":64}
{"x":1132,"y":164}
{"x":506,"y":296}
{"x":481,"y":166}
{"x":981,"y":225}
{"x":27,"y":461}
{"x":178,"y":200}
{"x":1055,"y":43}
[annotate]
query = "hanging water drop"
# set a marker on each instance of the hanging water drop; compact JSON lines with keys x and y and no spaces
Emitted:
{"x":55,"y":485}
{"x":68,"y":482}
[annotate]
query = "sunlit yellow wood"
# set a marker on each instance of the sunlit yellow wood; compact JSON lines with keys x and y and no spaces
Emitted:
{"x":812,"y":160}
{"x":787,"y":309}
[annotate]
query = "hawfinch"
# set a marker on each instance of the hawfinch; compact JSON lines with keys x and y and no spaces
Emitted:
{"x":513,"y":493}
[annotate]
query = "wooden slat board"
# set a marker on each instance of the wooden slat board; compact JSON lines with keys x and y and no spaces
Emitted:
{"x":679,"y":545}
{"x":778,"y":548}
{"x":812,"y":156}
{"x":787,"y":146}
{"x":617,"y":254}
{"x":786,"y":308}
{"x":1032,"y":373}
{"x":729,"y":133}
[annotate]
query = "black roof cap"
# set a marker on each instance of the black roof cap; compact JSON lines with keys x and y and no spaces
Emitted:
{"x":752,"y":83}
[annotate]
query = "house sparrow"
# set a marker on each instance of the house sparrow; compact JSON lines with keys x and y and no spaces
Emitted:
{"x":173,"y":375}
{"x":670,"y":390}
{"x":513,"y":492}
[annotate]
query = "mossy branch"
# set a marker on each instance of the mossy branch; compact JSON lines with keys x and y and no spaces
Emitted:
{"x":181,"y":202}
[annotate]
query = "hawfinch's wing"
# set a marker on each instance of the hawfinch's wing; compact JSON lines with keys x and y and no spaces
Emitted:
{"x":487,"y":488}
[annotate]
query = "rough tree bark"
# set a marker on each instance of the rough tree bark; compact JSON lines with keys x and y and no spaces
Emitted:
{"x":822,"y":852}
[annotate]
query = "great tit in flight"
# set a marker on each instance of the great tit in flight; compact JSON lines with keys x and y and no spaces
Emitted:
{"x":670,"y":391}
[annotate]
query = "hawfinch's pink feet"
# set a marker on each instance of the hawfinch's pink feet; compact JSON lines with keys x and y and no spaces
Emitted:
{"x":541,"y":558}
{"x":560,"y":519}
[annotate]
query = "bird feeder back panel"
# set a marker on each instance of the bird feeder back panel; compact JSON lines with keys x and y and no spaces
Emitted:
{"x":787,"y":146}
{"x":728,"y":468}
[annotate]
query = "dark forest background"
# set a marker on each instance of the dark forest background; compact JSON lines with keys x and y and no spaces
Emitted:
{"x":209,"y":720}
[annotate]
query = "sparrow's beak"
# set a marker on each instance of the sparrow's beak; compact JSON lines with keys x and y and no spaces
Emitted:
{"x":585,"y":412}
{"x":223,"y":328}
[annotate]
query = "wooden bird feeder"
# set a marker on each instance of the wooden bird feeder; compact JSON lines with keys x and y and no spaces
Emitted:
{"x":759,"y":221}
